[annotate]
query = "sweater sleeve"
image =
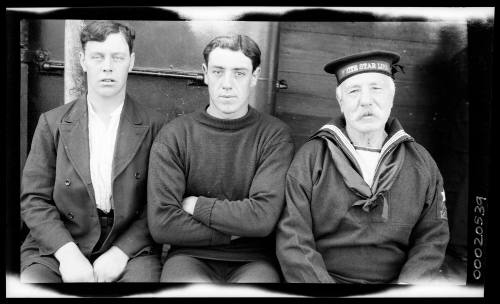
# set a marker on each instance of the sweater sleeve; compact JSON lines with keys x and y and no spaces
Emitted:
{"x":255,"y":216}
{"x":295,"y":240}
{"x":38,"y":210}
{"x":168,"y":222}
{"x":430,"y":235}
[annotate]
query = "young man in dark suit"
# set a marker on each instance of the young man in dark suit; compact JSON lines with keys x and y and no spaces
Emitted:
{"x":83,"y":193}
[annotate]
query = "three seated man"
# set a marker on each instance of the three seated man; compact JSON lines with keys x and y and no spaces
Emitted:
{"x":108,"y":181}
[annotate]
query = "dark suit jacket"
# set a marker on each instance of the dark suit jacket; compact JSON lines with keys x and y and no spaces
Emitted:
{"x":57,"y":197}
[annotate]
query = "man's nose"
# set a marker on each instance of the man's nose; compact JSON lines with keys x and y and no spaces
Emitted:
{"x":365,"y":97}
{"x":227,"y":81}
{"x":107,"y":65}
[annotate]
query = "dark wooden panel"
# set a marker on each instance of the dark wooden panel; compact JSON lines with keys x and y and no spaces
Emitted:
{"x":302,"y":126}
{"x":172,"y":97}
{"x":305,"y":105}
{"x":309,"y":52}
{"x":23,"y":119}
{"x":180,"y":44}
{"x":430,"y":32}
{"x":48,"y":35}
{"x":45,"y":92}
{"x":308,"y":85}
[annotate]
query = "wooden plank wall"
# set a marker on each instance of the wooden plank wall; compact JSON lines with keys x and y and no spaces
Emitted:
{"x":305,"y":47}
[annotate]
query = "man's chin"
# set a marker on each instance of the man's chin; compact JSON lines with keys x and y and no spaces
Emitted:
{"x":228,"y":111}
{"x":106,"y":93}
{"x":368,"y":127}
{"x":228,"y":108}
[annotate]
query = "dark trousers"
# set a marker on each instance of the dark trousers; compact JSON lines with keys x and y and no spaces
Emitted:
{"x":183,"y":268}
{"x":144,"y":267}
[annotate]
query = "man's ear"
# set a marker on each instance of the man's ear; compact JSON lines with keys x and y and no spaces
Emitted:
{"x":255,"y":76}
{"x":205,"y":73}
{"x":132,"y":62}
{"x":82,"y":61}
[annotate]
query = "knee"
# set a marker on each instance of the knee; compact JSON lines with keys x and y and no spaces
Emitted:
{"x":256,"y":272}
{"x":142,"y":269}
{"x":185,"y":269}
{"x":38,"y":273}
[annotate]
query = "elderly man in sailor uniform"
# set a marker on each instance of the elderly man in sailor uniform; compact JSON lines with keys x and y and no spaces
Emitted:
{"x":364,"y":202}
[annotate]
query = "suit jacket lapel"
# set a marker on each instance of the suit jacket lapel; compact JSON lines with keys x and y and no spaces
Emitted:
{"x":75,"y":137}
{"x":131,"y":133}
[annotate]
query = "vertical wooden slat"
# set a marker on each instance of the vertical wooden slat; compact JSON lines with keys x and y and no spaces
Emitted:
{"x":23,"y":107}
{"x":74,"y":80}
{"x":272,"y":53}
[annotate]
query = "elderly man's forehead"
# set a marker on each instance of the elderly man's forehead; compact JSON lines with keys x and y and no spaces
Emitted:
{"x":367,"y":78}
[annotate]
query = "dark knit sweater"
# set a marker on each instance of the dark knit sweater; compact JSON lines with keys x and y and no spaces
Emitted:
{"x":237,"y":170}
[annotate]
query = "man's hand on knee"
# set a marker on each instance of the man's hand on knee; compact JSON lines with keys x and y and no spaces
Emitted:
{"x":110,"y":265}
{"x":73,"y":265}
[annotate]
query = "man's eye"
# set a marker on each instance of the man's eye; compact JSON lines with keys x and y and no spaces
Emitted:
{"x":96,"y":57}
{"x":216,"y":72}
{"x":353,"y":91}
{"x":240,"y":74}
{"x":118,"y":58}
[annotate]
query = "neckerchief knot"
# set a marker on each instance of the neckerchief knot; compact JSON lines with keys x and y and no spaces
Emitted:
{"x":342,"y":152}
{"x":368,"y":204}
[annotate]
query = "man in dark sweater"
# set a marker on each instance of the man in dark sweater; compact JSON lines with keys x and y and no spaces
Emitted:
{"x":217,"y":177}
{"x":364,"y":202}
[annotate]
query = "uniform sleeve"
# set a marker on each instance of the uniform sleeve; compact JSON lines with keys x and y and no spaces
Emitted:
{"x":295,"y":241}
{"x":168,"y":222}
{"x":430,"y":235}
{"x":38,"y":210}
{"x":257,"y":215}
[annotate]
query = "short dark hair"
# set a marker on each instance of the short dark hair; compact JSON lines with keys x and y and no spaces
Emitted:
{"x":235,"y":43}
{"x":100,"y":29}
